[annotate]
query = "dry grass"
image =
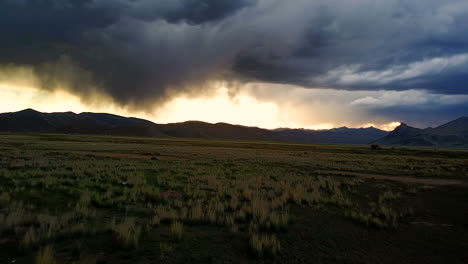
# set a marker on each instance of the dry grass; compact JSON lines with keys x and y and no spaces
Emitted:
{"x":177,"y":230}
{"x":165,"y":249}
{"x":265,"y":245}
{"x":128,"y":231}
{"x":31,"y":238}
{"x":46,"y":256}
{"x":44,"y":195}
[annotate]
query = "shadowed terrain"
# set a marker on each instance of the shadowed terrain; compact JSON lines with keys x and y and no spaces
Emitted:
{"x":106,"y":199}
{"x":106,"y":124}
{"x":451,"y":134}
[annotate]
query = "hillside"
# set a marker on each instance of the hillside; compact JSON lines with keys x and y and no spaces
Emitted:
{"x":30,"y":120}
{"x":342,"y":135}
{"x":106,"y":124}
{"x":451,"y":134}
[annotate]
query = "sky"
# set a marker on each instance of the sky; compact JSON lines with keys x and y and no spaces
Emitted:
{"x":267,"y":63}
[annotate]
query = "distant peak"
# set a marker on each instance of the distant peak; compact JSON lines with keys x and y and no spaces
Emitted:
{"x":28,"y":110}
{"x":404,"y":129}
{"x":402,"y":125}
{"x":401,"y":128}
{"x":341,"y":128}
{"x":370,"y":128}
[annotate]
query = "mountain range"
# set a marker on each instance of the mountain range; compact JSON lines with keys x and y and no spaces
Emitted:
{"x":452,"y":134}
{"x":30,"y":120}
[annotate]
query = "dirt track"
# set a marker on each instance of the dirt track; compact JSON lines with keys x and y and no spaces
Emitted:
{"x":122,"y":155}
{"x":405,"y":179}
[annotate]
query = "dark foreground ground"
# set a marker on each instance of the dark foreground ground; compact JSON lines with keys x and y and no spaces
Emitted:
{"x":90,"y":199}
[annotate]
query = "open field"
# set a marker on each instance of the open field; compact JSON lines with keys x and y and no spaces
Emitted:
{"x":102,"y":199}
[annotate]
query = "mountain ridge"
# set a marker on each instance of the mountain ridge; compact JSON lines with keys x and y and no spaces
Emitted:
{"x":451,"y":134}
{"x":30,"y":120}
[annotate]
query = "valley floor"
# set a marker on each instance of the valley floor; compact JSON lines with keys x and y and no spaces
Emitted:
{"x":102,"y":199}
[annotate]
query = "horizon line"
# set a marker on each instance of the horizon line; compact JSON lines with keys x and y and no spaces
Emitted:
{"x":206,"y":122}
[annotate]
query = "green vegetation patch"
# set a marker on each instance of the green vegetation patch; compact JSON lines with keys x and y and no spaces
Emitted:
{"x":90,"y":199}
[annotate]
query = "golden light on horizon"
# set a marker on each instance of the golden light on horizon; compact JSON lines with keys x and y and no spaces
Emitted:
{"x":387,"y":127}
{"x":16,"y":98}
{"x":240,"y":109}
{"x":219,"y":107}
{"x":391,"y":126}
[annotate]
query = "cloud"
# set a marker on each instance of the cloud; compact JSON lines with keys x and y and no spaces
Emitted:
{"x":420,"y":108}
{"x":142,"y":52}
{"x":413,"y":73}
{"x":413,"y":98}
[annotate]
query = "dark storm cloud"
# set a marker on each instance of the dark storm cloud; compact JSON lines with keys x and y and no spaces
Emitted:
{"x":138,"y":51}
{"x":133,"y":50}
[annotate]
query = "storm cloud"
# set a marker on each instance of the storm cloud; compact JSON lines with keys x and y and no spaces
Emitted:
{"x":140,"y":52}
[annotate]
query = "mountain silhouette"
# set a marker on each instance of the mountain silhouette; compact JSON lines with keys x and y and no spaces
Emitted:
{"x":451,"y":134}
{"x":31,"y":121}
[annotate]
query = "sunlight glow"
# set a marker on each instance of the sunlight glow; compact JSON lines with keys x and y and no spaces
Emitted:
{"x":387,"y":127}
{"x":239,"y":109}
{"x":16,"y":98}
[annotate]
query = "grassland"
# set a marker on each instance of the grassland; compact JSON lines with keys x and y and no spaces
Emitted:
{"x":102,"y":199}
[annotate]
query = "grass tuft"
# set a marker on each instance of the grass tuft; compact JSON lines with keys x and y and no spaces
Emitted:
{"x":177,"y":230}
{"x":265,"y":245}
{"x":46,"y":256}
{"x":128,"y":232}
